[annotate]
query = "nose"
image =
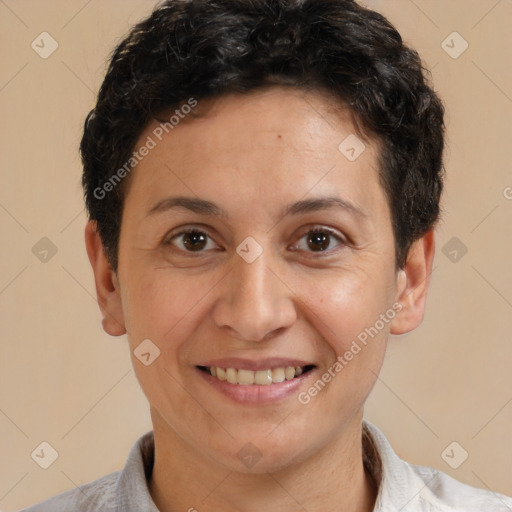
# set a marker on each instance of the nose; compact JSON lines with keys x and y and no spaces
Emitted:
{"x":254,"y":302}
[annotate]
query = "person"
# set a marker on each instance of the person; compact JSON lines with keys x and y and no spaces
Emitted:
{"x":263,"y":181}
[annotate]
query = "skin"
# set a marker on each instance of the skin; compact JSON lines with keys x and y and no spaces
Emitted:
{"x":252,"y":155}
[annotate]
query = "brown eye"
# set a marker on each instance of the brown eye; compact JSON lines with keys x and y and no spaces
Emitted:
{"x":319,"y":240}
{"x":192,"y":240}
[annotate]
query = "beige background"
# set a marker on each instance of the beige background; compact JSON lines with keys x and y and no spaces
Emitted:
{"x":66,"y":382}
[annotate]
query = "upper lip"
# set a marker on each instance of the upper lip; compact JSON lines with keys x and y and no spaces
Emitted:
{"x":255,"y":365}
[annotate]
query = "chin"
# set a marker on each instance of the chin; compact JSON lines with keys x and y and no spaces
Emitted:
{"x":257,"y":454}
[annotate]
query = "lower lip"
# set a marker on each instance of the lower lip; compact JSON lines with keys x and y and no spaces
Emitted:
{"x":256,"y":394}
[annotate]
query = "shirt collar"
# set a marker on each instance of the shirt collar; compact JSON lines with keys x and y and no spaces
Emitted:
{"x":400,"y":487}
{"x":132,"y":491}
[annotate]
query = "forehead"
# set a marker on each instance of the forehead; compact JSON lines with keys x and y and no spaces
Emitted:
{"x":275,"y":145}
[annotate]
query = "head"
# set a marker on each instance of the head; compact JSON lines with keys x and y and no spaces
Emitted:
{"x":262,"y":181}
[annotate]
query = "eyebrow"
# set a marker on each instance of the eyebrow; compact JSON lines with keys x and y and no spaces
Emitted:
{"x":204,"y":207}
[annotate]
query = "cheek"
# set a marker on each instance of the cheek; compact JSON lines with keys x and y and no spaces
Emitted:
{"x":345,"y":303}
{"x":344,"y":311}
{"x":161,"y":303}
{"x":165,"y":307}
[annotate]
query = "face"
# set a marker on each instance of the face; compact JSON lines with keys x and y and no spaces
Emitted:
{"x":250,"y":241}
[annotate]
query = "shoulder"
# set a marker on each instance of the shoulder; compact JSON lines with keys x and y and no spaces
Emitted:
{"x":447,"y":494}
{"x":411,"y":488}
{"x":91,"y":497}
{"x":124,"y":491}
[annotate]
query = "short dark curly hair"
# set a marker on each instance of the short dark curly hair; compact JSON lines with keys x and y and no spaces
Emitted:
{"x":207,"y":48}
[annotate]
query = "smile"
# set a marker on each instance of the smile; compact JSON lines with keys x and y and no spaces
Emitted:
{"x":266,"y":377}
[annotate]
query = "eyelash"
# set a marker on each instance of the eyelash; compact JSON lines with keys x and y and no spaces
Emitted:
{"x":315,"y":229}
{"x":324,"y":231}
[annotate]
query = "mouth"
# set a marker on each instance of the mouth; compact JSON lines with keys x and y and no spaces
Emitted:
{"x":263,"y":377}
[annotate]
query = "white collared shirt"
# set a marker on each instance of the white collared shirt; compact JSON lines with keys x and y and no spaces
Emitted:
{"x":402,"y":487}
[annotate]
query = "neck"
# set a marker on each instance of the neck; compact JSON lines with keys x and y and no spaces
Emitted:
{"x":330,"y":480}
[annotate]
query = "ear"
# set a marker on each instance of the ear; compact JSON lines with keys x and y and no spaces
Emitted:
{"x":107,"y":285}
{"x":412,"y":285}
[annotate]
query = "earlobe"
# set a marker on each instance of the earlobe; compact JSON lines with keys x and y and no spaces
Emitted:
{"x":107,"y":286}
{"x":412,"y":284}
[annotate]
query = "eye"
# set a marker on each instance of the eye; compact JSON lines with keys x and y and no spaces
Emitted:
{"x":191,"y":240}
{"x":318,"y":240}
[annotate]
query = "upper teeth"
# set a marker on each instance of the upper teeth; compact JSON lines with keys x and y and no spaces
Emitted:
{"x":260,"y":377}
